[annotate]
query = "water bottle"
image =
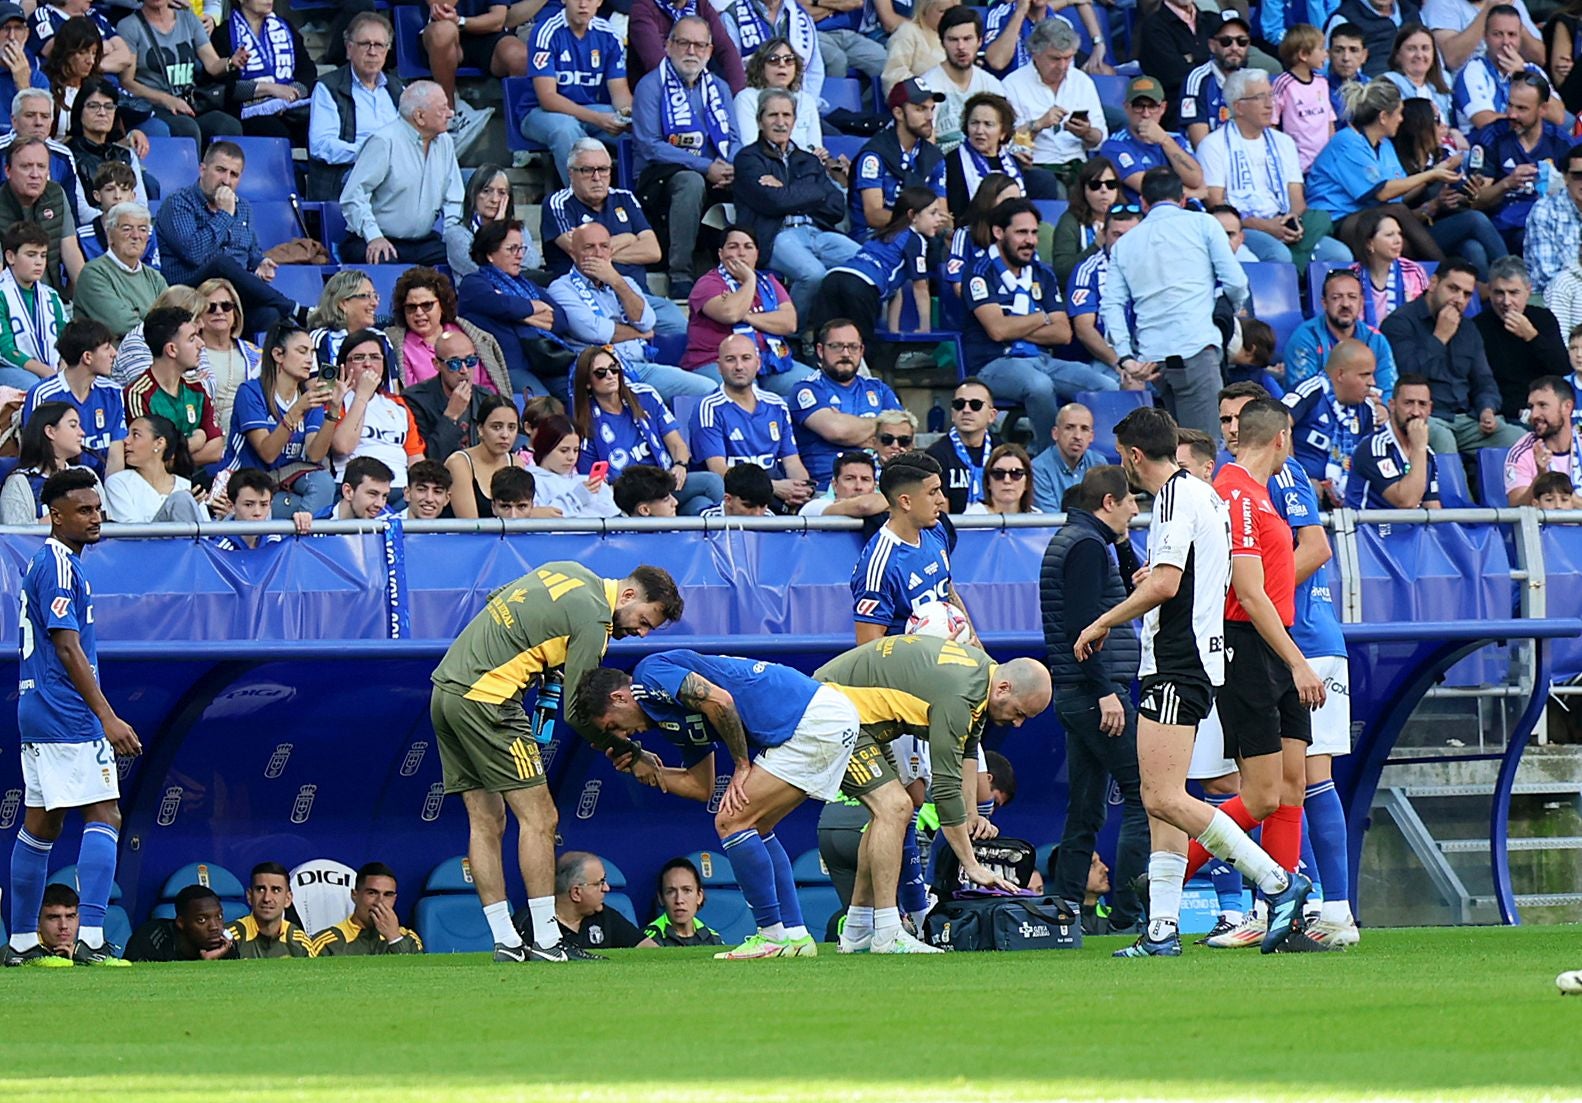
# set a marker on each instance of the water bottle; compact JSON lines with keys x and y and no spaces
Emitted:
{"x":936,"y":418}
{"x":542,"y":723}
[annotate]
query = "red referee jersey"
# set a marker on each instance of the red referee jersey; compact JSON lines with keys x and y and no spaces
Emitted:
{"x":1256,"y":528}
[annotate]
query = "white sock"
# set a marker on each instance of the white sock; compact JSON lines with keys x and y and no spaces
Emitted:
{"x":546,"y":928}
{"x":1166,"y":874}
{"x":859,"y":922}
{"x":1233,"y":918}
{"x":886,"y":923}
{"x":1223,"y":839}
{"x":775,"y":932}
{"x":22,"y":943}
{"x":500,"y":926}
{"x":795,"y":933}
{"x":1336,"y":911}
{"x":92,"y":936}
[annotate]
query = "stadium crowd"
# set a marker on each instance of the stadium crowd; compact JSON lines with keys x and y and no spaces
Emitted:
{"x":816,"y":184}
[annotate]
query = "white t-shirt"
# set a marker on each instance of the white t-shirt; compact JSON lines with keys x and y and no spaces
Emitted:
{"x":1242,"y":167}
{"x":389,"y":436}
{"x":1030,"y":97}
{"x":948,"y":132}
{"x":131,"y":499}
{"x":1457,"y":15}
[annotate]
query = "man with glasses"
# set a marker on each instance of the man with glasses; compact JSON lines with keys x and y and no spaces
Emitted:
{"x":445,"y":406}
{"x":33,"y":116}
{"x":1146,"y":144}
{"x":350,"y":103}
{"x":633,"y":243}
{"x":580,"y":90}
{"x":1203,"y":106}
{"x":1256,"y":168}
{"x":208,"y":233}
{"x":1085,"y":299}
{"x":404,"y":180}
{"x":1058,"y":469}
{"x":835,"y":409}
{"x":964,"y":450}
{"x":685,"y":130}
{"x":581,"y":884}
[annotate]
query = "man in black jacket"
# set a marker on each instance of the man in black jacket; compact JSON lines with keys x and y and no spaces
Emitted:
{"x":1081,"y":580}
{"x":784,"y":196}
{"x":445,"y":406}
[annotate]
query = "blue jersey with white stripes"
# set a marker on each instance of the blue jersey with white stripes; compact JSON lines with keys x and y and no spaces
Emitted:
{"x":762,"y":436}
{"x":55,"y":595}
{"x":889,"y":265}
{"x":1316,"y":629}
{"x":769,"y":698}
{"x":892,"y":577}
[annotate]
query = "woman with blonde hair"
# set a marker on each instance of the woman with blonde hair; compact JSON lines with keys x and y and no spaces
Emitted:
{"x":233,"y":359}
{"x":915,"y":47}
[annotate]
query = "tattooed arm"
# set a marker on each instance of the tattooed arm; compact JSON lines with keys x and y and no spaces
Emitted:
{"x":719,"y":709}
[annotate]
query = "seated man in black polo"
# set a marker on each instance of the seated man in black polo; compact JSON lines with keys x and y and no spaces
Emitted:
{"x":196,"y":934}
{"x":585,"y":923}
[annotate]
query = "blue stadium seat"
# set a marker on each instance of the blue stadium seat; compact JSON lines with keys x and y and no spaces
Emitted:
{"x":1108,"y":408}
{"x":842,"y":92}
{"x":617,"y":897}
{"x":173,"y":162}
{"x":1316,"y":271}
{"x":332,"y":229}
{"x":951,"y":337}
{"x":301,"y":283}
{"x":817,"y":895}
{"x":1453,"y":490}
{"x":685,"y":408}
{"x":411,"y":58}
{"x":1050,"y":210}
{"x":225,"y":884}
{"x":269,"y":173}
{"x":1491,"y":477}
{"x":844,"y":145}
{"x":274,"y":222}
{"x":518,"y":96}
{"x":1275,"y":298}
{"x":725,"y":908}
{"x":809,"y":869}
{"x":1112,"y":88}
{"x":448,"y":917}
{"x":669,"y":348}
{"x":384,"y":278}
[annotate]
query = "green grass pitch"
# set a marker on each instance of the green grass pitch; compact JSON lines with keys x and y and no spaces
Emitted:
{"x":1418,"y":1014}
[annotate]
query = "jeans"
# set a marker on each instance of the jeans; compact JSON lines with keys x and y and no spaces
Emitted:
{"x":428,"y":250}
{"x":1092,"y":758}
{"x":669,"y":321}
{"x":670,"y":381}
{"x":686,"y":195}
{"x":702,"y":490}
{"x":309,"y":493}
{"x":1467,"y":434}
{"x":1039,"y":384}
{"x":1471,"y":236}
{"x":804,"y":254}
{"x":1191,"y":392}
{"x":182,"y":506}
{"x":262,"y":305}
{"x":847,"y":50}
{"x":1314,"y":245}
{"x":561,"y":132}
{"x":20,"y":378}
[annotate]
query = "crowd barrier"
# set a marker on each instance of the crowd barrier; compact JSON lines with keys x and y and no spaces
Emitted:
{"x":282,"y":693}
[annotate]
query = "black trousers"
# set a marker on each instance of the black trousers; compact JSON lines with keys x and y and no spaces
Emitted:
{"x":1092,"y":758}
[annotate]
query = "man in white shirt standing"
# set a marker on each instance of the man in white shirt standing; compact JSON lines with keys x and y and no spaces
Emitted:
{"x":1056,"y":102}
{"x":1255,"y":167}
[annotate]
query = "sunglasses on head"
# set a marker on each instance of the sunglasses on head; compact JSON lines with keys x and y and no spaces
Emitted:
{"x":1233,"y":40}
{"x":1013,"y":474}
{"x":973,"y":404}
{"x":888,"y":439}
{"x":463,"y":363}
{"x":226,"y":307}
{"x":1125,"y":208}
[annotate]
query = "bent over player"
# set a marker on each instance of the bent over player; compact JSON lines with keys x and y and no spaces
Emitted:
{"x":804,"y":733}
{"x":70,"y":734}
{"x":559,"y":617}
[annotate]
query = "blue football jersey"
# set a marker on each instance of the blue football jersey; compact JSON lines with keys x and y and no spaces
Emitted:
{"x":55,"y":595}
{"x":862,"y":397}
{"x":621,"y":440}
{"x":770,"y":698}
{"x":892,"y":577}
{"x":102,"y":415}
{"x":1316,"y":629}
{"x":581,"y":68}
{"x":764,"y":437}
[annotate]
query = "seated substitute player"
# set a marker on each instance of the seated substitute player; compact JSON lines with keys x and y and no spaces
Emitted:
{"x":372,"y":928}
{"x":552,"y":625}
{"x":803,"y":733}
{"x":69,"y":734}
{"x":265,"y":931}
{"x":1182,"y":601}
{"x":196,"y":934}
{"x":580,"y":889}
{"x":681,"y":897}
{"x":942,"y":692}
{"x":907,"y":562}
{"x":58,"y":922}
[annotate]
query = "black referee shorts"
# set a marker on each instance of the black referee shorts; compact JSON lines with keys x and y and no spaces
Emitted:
{"x":1174,"y":700}
{"x":1258,"y":704}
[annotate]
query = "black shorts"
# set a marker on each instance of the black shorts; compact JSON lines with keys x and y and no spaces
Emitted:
{"x":1175,"y":700}
{"x":477,"y":50}
{"x":1258,"y":704}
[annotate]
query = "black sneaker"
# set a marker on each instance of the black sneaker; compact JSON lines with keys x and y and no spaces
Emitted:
{"x":107,"y":954}
{"x":506,"y":955}
{"x":35,"y":955}
{"x":577,"y":953}
{"x":1300,"y":942}
{"x":1221,"y":926}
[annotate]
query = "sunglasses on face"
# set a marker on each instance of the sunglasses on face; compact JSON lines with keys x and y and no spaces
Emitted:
{"x":888,"y":439}
{"x":1011,"y":474}
{"x":222,"y":308}
{"x":973,"y":404}
{"x":1233,"y":40}
{"x":606,"y":372}
{"x":424,"y":306}
{"x":462,"y":363}
{"x":1104,"y":185}
{"x":1140,"y":104}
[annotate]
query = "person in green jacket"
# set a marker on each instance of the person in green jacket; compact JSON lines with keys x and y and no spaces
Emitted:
{"x":33,"y":311}
{"x":117,"y":288}
{"x":372,"y":928}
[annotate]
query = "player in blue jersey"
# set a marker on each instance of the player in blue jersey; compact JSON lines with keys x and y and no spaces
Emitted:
{"x":907,"y":563}
{"x":69,"y":733}
{"x":803,"y":732}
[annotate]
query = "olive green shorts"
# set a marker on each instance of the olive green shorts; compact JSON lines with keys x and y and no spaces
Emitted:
{"x":872,"y":764}
{"x":484,"y":746}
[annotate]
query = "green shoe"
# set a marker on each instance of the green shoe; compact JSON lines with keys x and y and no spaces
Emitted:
{"x":801,"y":947}
{"x":101,"y":955}
{"x":756,"y":946}
{"x":36,"y":955}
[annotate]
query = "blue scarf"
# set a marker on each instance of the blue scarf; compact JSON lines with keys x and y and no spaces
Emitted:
{"x":975,"y":166}
{"x":1394,"y":292}
{"x":273,"y":59}
{"x":1241,"y":167}
{"x":1023,"y":300}
{"x":676,"y":123}
{"x":630,"y":364}
{"x":755,"y":29}
{"x":775,"y":354}
{"x":975,"y":492}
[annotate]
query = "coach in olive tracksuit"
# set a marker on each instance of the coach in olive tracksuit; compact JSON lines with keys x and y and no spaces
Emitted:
{"x":1081,"y":579}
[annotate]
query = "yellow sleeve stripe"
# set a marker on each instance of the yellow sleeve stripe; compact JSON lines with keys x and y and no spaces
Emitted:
{"x":878,"y":705}
{"x":507,"y":680}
